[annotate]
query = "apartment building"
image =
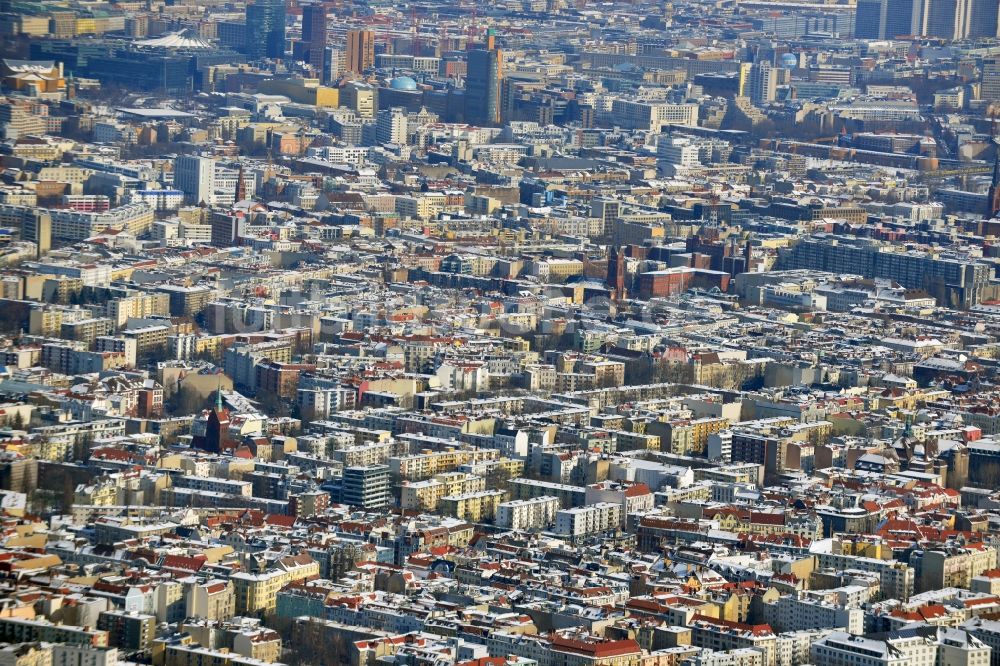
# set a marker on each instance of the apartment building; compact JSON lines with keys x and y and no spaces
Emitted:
{"x":722,"y":635}
{"x":134,"y":218}
{"x":139,"y":304}
{"x":952,"y":565}
{"x":366,"y":486}
{"x":580,"y":521}
{"x":150,"y":341}
{"x":475,"y":507}
{"x":425,"y":465}
{"x":796,"y":613}
{"x":528,"y":514}
{"x":214,"y":485}
{"x":568,"y":496}
{"x":425,"y":495}
{"x":256,"y":593}
{"x":918,"y":645}
{"x":897,"y":578}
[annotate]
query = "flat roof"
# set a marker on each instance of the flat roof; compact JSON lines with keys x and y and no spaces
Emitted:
{"x":155,"y":113}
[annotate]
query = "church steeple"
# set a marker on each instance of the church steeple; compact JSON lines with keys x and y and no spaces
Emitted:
{"x":218,"y":398}
{"x":241,"y":190}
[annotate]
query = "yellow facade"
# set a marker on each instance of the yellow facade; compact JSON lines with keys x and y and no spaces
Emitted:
{"x":86,"y":26}
{"x":425,"y":495}
{"x":303,"y":91}
{"x":473,"y":507}
{"x":257,"y":594}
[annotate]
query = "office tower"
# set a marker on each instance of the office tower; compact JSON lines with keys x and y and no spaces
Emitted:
{"x":265,"y":33}
{"x":616,"y":273}
{"x":990,"y":82}
{"x":678,"y":152}
{"x":994,"y":193}
{"x":37,"y":229}
{"x":333,"y":64}
{"x":888,"y":19}
{"x":314,"y":37}
{"x":607,"y":210}
{"x":869,"y":19}
{"x":360,"y":98}
{"x":762,"y":83}
{"x":360,"y":50}
{"x":391,"y":126}
{"x":195,"y":177}
{"x":482,"y":87}
{"x":948,"y":19}
{"x":984,"y":18}
{"x":902,"y":17}
{"x":744,"y":76}
{"x":366,"y":486}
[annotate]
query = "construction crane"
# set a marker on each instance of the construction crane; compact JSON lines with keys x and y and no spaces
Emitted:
{"x":941,"y":174}
{"x":415,"y":27}
{"x":442,"y":39}
{"x":473,"y":29}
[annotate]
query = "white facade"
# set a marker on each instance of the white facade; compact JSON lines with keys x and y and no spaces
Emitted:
{"x":792,"y":614}
{"x":64,"y":654}
{"x":843,"y":649}
{"x":391,"y":126}
{"x":527,"y":514}
{"x":215,"y":485}
{"x":136,"y":218}
{"x":319,"y":403}
{"x":584,"y":520}
{"x":195,"y":176}
{"x":160,"y":199}
{"x":678,"y":151}
{"x":653,"y":116}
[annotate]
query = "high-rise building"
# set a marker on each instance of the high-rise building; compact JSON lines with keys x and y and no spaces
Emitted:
{"x":334,"y":65}
{"x":37,"y":229}
{"x":869,"y":18}
{"x":948,"y":19}
{"x":360,"y":98}
{"x":888,"y":19}
{"x":679,"y":152}
{"x":195,"y":177}
{"x":314,"y":37}
{"x":902,"y":17}
{"x":607,"y":210}
{"x":265,"y":32}
{"x":616,"y":273}
{"x":360,"y":51}
{"x":985,"y":18}
{"x":762,"y":83}
{"x":391,"y":126}
{"x":990,"y":82}
{"x":482,"y":87}
{"x":366,"y":486}
{"x":994,"y":193}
